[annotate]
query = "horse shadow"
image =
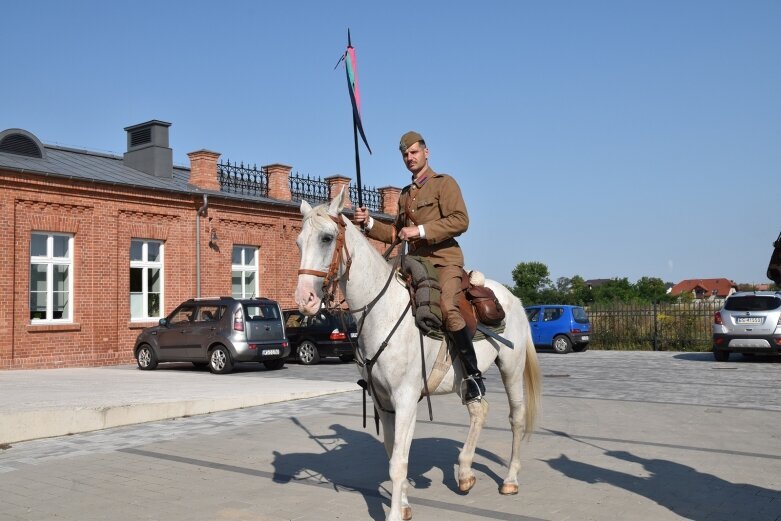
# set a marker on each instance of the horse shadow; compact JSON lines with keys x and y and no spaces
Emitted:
{"x":355,"y":461}
{"x":679,"y":488}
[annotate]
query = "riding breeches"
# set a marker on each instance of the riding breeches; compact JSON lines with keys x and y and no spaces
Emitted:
{"x":450,"y":282}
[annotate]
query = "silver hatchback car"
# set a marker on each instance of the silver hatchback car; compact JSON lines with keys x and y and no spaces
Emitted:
{"x":216,"y":332}
{"x":748,"y":323}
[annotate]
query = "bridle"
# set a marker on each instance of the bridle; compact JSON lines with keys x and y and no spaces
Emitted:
{"x":330,"y":281}
{"x":331,"y":277}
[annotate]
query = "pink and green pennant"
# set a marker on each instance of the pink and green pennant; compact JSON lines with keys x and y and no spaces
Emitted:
{"x":351,"y":66}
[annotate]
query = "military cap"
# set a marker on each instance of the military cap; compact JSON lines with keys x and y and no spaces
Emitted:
{"x":409,"y":139}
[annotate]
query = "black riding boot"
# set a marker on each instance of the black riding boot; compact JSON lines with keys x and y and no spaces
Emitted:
{"x":475,"y":388}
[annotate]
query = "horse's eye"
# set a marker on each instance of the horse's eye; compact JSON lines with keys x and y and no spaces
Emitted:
{"x":326,"y":239}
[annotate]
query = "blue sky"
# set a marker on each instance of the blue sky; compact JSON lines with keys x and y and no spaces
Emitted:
{"x":602,"y":138}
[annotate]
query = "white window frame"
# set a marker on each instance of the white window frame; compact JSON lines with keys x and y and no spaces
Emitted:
{"x":146,"y":265}
{"x":245,"y":268}
{"x":50,"y":261}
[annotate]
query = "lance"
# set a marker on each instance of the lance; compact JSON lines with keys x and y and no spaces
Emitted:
{"x":351,"y":70}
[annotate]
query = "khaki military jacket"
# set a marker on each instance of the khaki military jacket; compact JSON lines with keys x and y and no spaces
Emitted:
{"x":437,"y":204}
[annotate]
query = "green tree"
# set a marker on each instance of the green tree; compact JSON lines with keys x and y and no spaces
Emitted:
{"x":651,"y":289}
{"x":615,"y":290}
{"x":530,"y":278}
{"x":581,"y":293}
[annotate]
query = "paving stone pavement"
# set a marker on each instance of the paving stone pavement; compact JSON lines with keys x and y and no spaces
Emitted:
{"x":624,"y":436}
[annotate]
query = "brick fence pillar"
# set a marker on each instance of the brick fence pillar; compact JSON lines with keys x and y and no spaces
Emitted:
{"x":279,"y":181}
{"x":335,"y":184}
{"x":390,"y":199}
{"x":203,"y":169}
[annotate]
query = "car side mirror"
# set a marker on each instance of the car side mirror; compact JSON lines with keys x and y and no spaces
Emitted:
{"x":164,"y":322}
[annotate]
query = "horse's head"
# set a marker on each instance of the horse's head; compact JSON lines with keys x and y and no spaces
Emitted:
{"x":321,"y":243}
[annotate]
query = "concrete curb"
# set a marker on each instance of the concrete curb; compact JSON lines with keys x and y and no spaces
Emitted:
{"x":16,"y":426}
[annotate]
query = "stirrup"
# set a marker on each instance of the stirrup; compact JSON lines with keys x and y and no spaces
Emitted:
{"x":472,"y":384}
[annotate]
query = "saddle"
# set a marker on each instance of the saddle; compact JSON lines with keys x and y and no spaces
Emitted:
{"x":477,"y":303}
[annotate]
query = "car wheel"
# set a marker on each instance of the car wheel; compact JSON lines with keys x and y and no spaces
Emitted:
{"x":307,"y":353}
{"x":220,"y":360}
{"x":346,"y":358}
{"x":279,"y":363}
{"x":580,"y":348}
{"x":146,"y":358}
{"x":562,"y":345}
{"x":721,"y":356}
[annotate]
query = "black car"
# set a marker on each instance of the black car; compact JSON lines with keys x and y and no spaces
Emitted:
{"x":325,"y":334}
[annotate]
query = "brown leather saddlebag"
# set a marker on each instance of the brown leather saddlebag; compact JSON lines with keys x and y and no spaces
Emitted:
{"x":487,"y":307}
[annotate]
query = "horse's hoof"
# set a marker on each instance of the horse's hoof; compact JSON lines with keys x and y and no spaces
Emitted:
{"x":465,"y":485}
{"x":406,"y":513}
{"x":508,"y":489}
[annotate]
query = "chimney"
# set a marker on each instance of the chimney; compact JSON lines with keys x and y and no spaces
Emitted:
{"x":147,"y":149}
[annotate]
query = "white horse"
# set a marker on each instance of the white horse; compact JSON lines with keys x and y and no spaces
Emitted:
{"x":332,"y":249}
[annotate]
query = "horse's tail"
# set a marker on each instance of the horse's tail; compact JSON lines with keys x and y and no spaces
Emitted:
{"x":532,"y":381}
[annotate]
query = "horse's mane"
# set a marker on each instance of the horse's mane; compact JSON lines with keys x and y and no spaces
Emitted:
{"x":321,"y":210}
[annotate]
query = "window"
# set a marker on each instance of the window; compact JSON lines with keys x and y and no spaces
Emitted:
{"x":244,"y":272}
{"x":551,"y":314}
{"x":261,"y":312}
{"x":183,"y":315}
{"x":209,"y":313}
{"x":146,"y":279}
{"x":51,"y":277}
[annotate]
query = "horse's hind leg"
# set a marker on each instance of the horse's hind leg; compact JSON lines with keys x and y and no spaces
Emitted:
{"x":478,"y":411}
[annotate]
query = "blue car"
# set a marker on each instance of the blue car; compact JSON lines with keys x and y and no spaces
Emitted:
{"x":562,"y":327}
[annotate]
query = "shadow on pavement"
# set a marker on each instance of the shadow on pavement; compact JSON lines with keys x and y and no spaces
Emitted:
{"x":679,"y":488}
{"x":356,"y":461}
{"x":734,"y":358}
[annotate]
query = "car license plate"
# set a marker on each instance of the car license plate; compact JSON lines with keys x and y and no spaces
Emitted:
{"x":584,"y":338}
{"x":265,"y":352}
{"x":353,"y":335}
{"x":749,"y":320}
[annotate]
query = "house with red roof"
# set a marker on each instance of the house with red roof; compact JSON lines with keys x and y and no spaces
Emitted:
{"x":706,"y":289}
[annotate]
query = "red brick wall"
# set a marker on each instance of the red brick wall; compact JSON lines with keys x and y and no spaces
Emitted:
{"x":103,"y":219}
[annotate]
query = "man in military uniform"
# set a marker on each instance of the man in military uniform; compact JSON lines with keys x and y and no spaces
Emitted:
{"x":431,"y":214}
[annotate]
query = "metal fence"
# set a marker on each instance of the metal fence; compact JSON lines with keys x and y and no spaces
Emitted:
{"x":372,"y":199}
{"x":678,"y":326}
{"x":314,"y":190}
{"x":244,"y":180}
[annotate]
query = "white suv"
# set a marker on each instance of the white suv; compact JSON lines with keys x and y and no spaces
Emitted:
{"x":748,"y":323}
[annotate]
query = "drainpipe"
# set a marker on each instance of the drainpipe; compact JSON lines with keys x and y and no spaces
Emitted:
{"x":201,"y":212}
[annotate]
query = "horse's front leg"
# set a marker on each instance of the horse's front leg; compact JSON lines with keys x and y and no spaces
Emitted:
{"x":478,"y":411}
{"x":397,"y":443}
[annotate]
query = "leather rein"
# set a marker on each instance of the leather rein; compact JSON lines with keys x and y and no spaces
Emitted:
{"x":330,"y":282}
{"x":330,"y":277}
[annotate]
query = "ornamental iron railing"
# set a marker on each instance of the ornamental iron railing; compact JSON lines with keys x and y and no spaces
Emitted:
{"x":253,"y":181}
{"x":315,"y":190}
{"x":244,"y":180}
{"x":372,"y":199}
{"x":311,"y":189}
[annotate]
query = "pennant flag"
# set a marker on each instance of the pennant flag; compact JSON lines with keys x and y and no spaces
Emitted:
{"x":351,"y":67}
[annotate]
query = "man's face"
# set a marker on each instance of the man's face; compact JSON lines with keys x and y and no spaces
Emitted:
{"x":416,"y":158}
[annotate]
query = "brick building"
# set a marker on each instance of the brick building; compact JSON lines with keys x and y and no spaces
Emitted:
{"x":95,"y":247}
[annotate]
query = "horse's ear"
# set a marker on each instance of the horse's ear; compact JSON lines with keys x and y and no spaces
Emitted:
{"x":305,"y":207}
{"x":337,"y":205}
